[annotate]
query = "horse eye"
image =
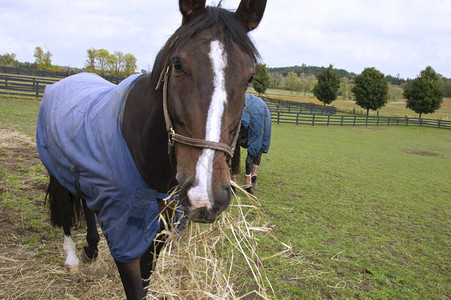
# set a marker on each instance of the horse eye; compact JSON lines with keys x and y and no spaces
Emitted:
{"x":249,"y":81}
{"x":177,"y":64}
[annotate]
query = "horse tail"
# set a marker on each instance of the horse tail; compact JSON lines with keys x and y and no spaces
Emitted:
{"x":66,"y":210}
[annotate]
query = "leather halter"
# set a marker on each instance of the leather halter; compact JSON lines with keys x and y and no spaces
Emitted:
{"x":175,"y":137}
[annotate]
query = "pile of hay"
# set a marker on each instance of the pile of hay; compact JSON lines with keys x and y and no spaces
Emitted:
{"x":215,"y":261}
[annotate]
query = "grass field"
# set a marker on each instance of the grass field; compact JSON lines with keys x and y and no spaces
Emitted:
{"x":364,"y":213}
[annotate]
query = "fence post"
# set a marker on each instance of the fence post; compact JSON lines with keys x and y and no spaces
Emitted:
{"x":421,"y":122}
{"x":439,"y":123}
{"x":377,"y":119}
{"x":313,"y":119}
{"x":278,"y":117}
{"x":297,"y":119}
{"x":388,"y":121}
{"x":355,"y":119}
{"x":407,"y":121}
{"x":37,"y":89}
{"x":366,"y":122}
{"x":328,"y":118}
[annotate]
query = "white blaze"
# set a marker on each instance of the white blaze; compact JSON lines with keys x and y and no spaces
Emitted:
{"x":198,"y":194}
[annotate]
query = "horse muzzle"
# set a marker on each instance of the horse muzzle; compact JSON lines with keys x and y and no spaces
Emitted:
{"x":203,"y":207}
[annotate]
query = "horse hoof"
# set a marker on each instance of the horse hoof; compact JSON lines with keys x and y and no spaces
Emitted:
{"x":89,"y":256}
{"x":71,"y":268}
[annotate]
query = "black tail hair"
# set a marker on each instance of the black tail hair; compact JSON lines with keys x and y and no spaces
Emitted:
{"x":66,"y":210}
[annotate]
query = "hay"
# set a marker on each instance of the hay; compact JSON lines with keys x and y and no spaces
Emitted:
{"x":13,"y":139}
{"x":215,"y":261}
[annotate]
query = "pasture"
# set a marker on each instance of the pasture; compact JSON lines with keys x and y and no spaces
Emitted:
{"x":353,"y":212}
{"x":391,"y":109}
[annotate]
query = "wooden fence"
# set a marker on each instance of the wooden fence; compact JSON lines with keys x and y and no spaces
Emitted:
{"x":34,"y":72}
{"x":343,"y":120}
{"x":23,"y":85}
{"x":19,"y":85}
{"x":296,"y":107}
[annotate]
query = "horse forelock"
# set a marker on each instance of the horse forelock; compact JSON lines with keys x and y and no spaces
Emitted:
{"x":230,"y":31}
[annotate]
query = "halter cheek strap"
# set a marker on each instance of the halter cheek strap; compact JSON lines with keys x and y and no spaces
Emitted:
{"x":174,"y":137}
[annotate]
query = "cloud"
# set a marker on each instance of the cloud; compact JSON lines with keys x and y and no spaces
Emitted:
{"x":401,"y":36}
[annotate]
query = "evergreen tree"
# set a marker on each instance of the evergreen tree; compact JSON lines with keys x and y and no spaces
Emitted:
{"x":326,"y":90}
{"x":425,"y":93}
{"x":261,"y":79}
{"x":370,"y":89}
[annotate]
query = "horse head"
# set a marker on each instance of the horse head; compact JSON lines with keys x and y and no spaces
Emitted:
{"x":208,"y":64}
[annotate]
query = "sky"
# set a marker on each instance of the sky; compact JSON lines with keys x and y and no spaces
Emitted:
{"x":397,"y":37}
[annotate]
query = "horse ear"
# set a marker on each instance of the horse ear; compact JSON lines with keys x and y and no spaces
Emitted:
{"x":250,"y":13}
{"x":190,"y":9}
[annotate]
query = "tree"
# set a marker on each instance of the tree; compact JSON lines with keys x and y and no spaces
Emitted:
{"x":9,"y":60}
{"x":276,"y":80}
{"x":326,"y":90}
{"x":345,"y":88}
{"x":261,"y":79}
{"x":293,"y":81}
{"x":130,"y":64}
{"x":43,"y":59}
{"x":370,"y":89}
{"x":307,"y":83}
{"x":102,"y":57}
{"x":425,"y":93}
{"x":91,"y":61}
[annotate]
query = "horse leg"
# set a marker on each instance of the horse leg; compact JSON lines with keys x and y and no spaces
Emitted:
{"x":72,"y":260}
{"x":64,"y":212}
{"x":149,"y":259}
{"x":91,"y":251}
{"x":131,"y":279}
{"x":235,"y":165}
{"x":248,"y":175}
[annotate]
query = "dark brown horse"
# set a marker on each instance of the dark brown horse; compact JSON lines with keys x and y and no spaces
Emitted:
{"x":193,"y":98}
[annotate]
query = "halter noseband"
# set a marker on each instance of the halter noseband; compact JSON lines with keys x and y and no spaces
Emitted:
{"x":174,"y":137}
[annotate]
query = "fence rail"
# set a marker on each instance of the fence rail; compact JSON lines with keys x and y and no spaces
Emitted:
{"x":296,"y":107}
{"x":34,"y":72}
{"x":333,"y":120}
{"x":23,"y":86}
{"x":20,"y":85}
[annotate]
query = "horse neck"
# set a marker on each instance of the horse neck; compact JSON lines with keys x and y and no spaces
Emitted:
{"x":145,"y":134}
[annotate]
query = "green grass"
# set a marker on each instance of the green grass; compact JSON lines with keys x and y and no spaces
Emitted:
{"x":366,"y":219}
{"x":19,"y":113}
{"x":366,"y":216}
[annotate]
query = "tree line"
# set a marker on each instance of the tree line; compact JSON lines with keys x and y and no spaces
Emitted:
{"x":370,"y":89}
{"x":302,"y":79}
{"x":99,"y":61}
{"x":103,"y":62}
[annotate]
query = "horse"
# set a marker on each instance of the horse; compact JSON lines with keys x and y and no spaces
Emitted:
{"x":255,"y":135}
{"x":114,"y":152}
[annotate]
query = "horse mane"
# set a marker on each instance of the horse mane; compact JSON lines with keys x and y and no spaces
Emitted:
{"x":230,"y":30}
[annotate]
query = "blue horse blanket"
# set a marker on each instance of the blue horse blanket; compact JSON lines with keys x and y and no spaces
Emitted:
{"x":79,"y":138}
{"x":257,"y":117}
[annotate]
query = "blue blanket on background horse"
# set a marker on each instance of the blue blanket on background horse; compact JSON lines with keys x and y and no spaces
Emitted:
{"x":257,"y":118}
{"x":79,"y":139}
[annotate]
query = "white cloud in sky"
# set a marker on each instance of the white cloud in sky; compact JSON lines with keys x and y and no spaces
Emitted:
{"x":394,"y":36}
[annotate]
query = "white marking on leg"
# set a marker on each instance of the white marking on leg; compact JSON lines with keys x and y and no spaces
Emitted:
{"x":69,"y":248}
{"x":199,"y":194}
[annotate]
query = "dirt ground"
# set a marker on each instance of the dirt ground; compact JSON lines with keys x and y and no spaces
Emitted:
{"x":31,"y":254}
